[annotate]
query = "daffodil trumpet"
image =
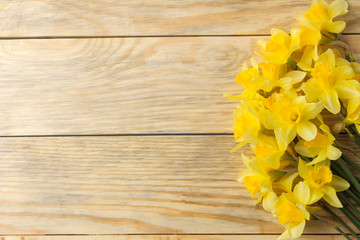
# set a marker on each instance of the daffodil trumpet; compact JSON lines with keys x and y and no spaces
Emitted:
{"x":298,"y":165}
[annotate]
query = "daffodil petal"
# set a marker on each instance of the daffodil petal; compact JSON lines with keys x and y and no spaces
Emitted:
{"x":306,"y":151}
{"x":303,"y":169}
{"x":296,"y":229}
{"x":335,"y":27}
{"x":311,"y":110}
{"x":339,"y":184}
{"x":346,"y":90}
{"x":306,"y":130}
{"x":302,"y":193}
{"x":315,"y":196}
{"x":331,"y":197}
{"x":321,"y":157}
{"x":269,"y":201}
{"x":333,"y":153}
{"x":331,"y":101}
{"x":337,"y":8}
{"x":284,"y":136}
{"x":284,"y":235}
{"x":286,"y":181}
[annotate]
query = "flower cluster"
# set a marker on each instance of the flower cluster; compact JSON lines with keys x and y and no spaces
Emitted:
{"x":306,"y":74}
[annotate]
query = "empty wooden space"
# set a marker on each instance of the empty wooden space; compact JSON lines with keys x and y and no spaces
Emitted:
{"x":113,"y":123}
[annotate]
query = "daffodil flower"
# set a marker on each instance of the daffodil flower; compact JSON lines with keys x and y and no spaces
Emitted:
{"x":280,"y":46}
{"x":353,"y":113}
{"x":275,"y":75}
{"x":330,"y":82}
{"x":290,"y":115}
{"x":291,"y":210}
{"x":320,"y":148}
{"x":309,"y":41}
{"x":321,"y":15}
{"x":246,"y":127}
{"x":268,"y":150}
{"x":256,"y":177}
{"x":322,"y":183}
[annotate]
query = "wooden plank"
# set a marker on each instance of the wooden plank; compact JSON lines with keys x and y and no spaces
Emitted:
{"x":32,"y":18}
{"x":170,"y":237}
{"x":126,"y":85}
{"x":127,"y":185}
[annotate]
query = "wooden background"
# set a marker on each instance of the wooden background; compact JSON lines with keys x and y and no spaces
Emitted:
{"x":113,"y":124}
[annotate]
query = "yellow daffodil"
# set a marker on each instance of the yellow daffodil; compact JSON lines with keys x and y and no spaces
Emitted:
{"x":309,"y":41}
{"x":268,"y":150}
{"x":353,"y":113}
{"x":291,"y":210}
{"x":256,"y":176}
{"x":246,"y":125}
{"x":330,"y":82}
{"x":321,"y":15}
{"x":322,"y":183}
{"x":275,"y":75}
{"x":289,"y":115}
{"x":247,"y":78}
{"x":353,"y":105}
{"x":320,"y":148}
{"x":280,"y":46}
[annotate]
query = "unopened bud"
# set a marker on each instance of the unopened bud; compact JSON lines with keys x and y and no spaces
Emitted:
{"x":338,"y":128}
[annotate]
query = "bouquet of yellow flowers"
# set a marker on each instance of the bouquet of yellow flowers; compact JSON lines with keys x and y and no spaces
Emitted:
{"x":298,"y":166}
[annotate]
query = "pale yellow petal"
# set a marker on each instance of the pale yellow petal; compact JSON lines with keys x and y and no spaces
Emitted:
{"x":284,"y":235}
{"x":335,"y":27}
{"x":331,"y":197}
{"x":321,"y":157}
{"x":303,"y":169}
{"x":311,"y":110}
{"x":307,"y":130}
{"x":296,"y":229}
{"x":333,"y":153}
{"x":315,"y":196}
{"x":339,"y":184}
{"x":327,"y":57}
{"x":286,"y":181}
{"x":331,"y":101}
{"x":284,"y":136}
{"x":306,"y":151}
{"x":297,"y":76}
{"x":302,"y":193}
{"x":344,"y":72}
{"x":337,"y":8}
{"x":269,"y":201}
{"x":346,"y":90}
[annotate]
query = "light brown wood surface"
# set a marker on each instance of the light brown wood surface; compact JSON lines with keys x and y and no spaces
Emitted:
{"x":121,"y":86}
{"x":29,"y":18}
{"x":153,"y":72}
{"x":170,"y":237}
{"x":128,"y":185}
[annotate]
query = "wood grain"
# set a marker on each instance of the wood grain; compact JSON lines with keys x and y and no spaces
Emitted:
{"x":34,"y":18}
{"x":127,"y":185}
{"x":170,"y":237}
{"x":121,"y":85}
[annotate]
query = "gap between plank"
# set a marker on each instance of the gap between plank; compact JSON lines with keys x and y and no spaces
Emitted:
{"x":169,"y":234}
{"x":146,"y":36}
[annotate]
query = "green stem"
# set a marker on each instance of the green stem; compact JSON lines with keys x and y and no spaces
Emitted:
{"x":351,"y":217}
{"x":353,"y":138}
{"x":341,"y":232}
{"x":353,"y":196}
{"x":355,"y":130}
{"x":351,"y":163}
{"x":340,"y":221}
{"x":349,"y":203}
{"x":338,"y":171}
{"x":348,"y":173}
